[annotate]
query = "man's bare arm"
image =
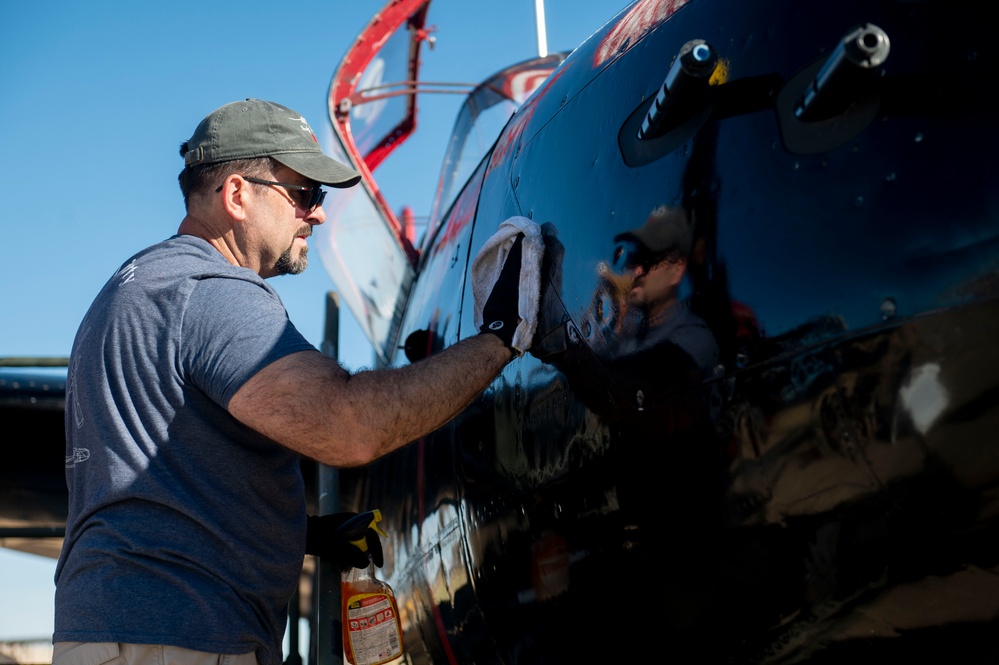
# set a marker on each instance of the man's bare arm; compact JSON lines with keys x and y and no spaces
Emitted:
{"x":307,"y":402}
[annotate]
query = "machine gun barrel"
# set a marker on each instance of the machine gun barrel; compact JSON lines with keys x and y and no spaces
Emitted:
{"x":685,"y":85}
{"x":846,"y":75}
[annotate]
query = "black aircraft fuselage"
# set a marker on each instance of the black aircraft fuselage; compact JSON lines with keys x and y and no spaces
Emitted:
{"x":825,"y":487}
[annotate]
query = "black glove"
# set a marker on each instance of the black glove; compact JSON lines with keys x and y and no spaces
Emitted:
{"x":500,"y":313}
{"x":347,"y":539}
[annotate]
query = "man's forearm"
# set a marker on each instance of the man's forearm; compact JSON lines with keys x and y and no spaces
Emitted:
{"x":310,"y":404}
{"x":426,"y":395}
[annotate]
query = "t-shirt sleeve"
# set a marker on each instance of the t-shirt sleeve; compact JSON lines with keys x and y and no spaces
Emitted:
{"x":232,"y":329}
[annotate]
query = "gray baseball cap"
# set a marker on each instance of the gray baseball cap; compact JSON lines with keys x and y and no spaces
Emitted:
{"x":665,"y":228}
{"x":255,"y":128}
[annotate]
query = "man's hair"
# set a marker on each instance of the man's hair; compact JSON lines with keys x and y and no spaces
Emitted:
{"x":196,"y":181}
{"x":671,"y":255}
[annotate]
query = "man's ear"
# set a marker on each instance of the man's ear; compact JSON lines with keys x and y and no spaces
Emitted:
{"x":235,"y":196}
{"x":678,"y":270}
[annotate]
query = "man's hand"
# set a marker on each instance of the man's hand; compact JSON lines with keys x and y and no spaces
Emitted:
{"x":501,"y":312}
{"x":347,"y":539}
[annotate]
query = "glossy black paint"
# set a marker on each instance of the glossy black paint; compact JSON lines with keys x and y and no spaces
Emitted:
{"x":827,"y":490}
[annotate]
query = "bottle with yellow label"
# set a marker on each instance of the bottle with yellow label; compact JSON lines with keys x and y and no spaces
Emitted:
{"x":372,"y":633}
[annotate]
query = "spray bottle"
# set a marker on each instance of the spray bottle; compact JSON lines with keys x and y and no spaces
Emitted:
{"x":372,"y":633}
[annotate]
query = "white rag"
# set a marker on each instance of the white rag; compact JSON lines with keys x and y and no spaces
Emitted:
{"x":488,"y":264}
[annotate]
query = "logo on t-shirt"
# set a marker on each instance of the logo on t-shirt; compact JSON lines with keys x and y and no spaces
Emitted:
{"x":79,"y":455}
{"x":127,"y":273}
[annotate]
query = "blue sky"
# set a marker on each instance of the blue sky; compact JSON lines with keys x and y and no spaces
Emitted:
{"x":97,"y":96}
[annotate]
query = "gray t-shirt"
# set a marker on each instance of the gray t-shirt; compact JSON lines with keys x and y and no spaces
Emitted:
{"x":680,"y":326}
{"x":185,"y":527}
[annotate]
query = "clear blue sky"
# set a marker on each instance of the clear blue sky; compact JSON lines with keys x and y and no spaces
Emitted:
{"x":97,"y":96}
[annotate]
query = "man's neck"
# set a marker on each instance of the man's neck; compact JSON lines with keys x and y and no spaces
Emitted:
{"x":656,"y":313}
{"x":193,"y":225}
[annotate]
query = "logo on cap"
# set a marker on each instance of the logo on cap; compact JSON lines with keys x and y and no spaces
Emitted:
{"x":305,"y":127}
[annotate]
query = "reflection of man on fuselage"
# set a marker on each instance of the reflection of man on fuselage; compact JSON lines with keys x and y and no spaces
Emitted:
{"x":661,"y":361}
{"x":644,"y":363}
{"x":655,"y":257}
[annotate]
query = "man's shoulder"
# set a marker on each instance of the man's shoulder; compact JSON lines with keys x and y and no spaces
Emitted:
{"x":176,"y":269}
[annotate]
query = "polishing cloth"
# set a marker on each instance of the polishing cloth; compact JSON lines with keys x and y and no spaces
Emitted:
{"x":488,"y":264}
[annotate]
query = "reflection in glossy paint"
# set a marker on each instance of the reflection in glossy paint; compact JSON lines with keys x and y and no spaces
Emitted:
{"x":923,"y":396}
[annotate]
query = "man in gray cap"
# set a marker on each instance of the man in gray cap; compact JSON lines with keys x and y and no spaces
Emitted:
{"x":657,"y":262}
{"x":191,"y":396}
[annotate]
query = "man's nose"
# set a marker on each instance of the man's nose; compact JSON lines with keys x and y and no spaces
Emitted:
{"x":317,"y":216}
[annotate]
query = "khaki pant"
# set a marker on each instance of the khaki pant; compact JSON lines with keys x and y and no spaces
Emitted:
{"x":112,"y":653}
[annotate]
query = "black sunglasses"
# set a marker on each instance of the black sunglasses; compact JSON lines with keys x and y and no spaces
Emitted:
{"x":309,"y":198}
{"x":631,"y":256}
